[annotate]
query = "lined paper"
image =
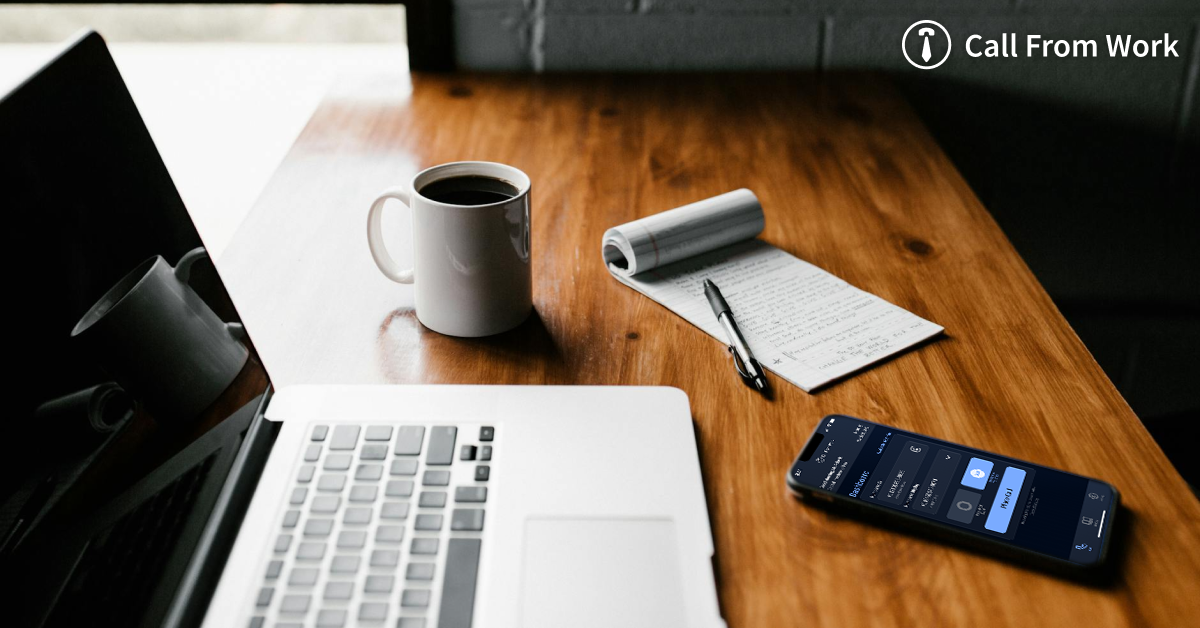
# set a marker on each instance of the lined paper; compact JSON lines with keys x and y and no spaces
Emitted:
{"x":802,"y":323}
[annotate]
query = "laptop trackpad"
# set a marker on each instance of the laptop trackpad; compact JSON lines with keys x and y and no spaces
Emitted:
{"x":589,"y":573}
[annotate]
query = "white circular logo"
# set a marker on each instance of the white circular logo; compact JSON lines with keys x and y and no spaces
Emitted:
{"x":976,"y":473}
{"x":925,"y":32}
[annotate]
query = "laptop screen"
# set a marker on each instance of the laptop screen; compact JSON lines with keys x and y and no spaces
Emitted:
{"x":126,"y":345}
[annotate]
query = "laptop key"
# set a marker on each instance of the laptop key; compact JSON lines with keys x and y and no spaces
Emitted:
{"x":306,"y":473}
{"x":319,"y":432}
{"x":389,"y":534}
{"x":467,"y":452}
{"x":485,"y":453}
{"x":472,"y":494}
{"x":394,"y":510}
{"x":345,"y":437}
{"x":487,"y":433}
{"x":312,"y":453}
{"x":374,"y":451}
{"x":378,"y":432}
{"x":357,"y":515}
{"x":364,"y":493}
{"x":408,"y":440}
{"x":331,"y":618}
{"x":379,"y":584}
{"x":344,"y":564}
{"x":310,"y":551}
{"x":415,"y":598}
{"x":419,"y":571}
{"x":326,"y":503}
{"x":299,"y":494}
{"x":411,"y":622}
{"x":482,"y":473}
{"x":385,"y":558}
{"x":274,"y":568}
{"x":303,"y":576}
{"x":441,"y":445}
{"x":404,"y":466}
{"x":432,"y":499}
{"x":258,"y":622}
{"x":467,"y":519}
{"x":290,"y":518}
{"x":338,"y":462}
{"x":339,"y":590}
{"x":424,"y":546}
{"x":436,"y":478}
{"x":283,"y":543}
{"x":318,"y":527}
{"x":429,"y":523}
{"x":352,"y":539}
{"x":295,"y":603}
{"x":368,"y":472}
{"x":331,"y":482}
{"x":399,"y":488}
{"x":458,"y":584}
{"x":372,"y":611}
{"x":264,"y":596}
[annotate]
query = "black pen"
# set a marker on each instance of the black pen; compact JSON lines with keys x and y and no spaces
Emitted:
{"x":743,"y":360}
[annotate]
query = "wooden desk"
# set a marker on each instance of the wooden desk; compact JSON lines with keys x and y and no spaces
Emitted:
{"x":851,"y":181}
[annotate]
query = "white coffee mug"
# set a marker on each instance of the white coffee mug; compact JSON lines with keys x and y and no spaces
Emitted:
{"x":153,"y":334}
{"x":471,"y":266}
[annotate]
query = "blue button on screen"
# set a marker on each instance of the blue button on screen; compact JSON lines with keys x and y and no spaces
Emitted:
{"x":1006,"y":500}
{"x":976,"y":475}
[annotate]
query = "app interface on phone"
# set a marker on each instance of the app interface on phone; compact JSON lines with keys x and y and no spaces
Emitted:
{"x":1037,"y":508}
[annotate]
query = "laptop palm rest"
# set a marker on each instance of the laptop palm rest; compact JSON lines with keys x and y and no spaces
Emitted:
{"x":599,"y":572}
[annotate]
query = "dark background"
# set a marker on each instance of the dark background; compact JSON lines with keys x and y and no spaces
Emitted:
{"x":1091,"y":166}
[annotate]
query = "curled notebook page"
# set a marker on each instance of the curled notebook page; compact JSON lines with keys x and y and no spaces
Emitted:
{"x":802,"y":323}
{"x":683,"y":232}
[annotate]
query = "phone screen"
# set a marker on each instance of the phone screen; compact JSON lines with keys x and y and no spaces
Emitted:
{"x":1033,"y":507}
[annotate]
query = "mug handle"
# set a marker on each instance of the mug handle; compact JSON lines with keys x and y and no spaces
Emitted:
{"x":375,"y":236}
{"x":183,"y":272}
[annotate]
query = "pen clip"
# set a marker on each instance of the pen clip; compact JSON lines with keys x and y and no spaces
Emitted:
{"x":738,"y":364}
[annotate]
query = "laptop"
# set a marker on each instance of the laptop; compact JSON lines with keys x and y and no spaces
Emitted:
{"x":156,"y":477}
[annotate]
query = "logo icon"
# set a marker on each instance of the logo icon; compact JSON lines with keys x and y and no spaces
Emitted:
{"x":964,"y":505}
{"x":976,"y":473}
{"x":925,"y":31}
{"x":1093,"y":495}
{"x":914,"y":449}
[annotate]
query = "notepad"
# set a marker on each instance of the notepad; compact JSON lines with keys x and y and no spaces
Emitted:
{"x":802,"y":323}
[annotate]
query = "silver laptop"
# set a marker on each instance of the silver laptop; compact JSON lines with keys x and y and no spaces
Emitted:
{"x":459,"y":506}
{"x":209,"y":499}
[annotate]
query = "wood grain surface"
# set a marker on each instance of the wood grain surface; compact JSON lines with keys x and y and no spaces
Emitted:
{"x":851,"y":181}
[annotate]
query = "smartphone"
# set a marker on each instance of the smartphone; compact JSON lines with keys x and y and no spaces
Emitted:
{"x":999,"y":504}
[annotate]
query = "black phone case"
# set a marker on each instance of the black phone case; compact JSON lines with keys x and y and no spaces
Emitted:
{"x":932,"y":529}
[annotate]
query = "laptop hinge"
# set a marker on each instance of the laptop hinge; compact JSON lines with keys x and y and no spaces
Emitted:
{"x":207,"y":562}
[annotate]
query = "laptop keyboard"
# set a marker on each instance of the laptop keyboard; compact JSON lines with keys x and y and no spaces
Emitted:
{"x":382,"y":527}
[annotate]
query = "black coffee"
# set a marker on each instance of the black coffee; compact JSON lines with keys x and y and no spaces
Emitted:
{"x":469,"y":190}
